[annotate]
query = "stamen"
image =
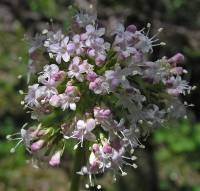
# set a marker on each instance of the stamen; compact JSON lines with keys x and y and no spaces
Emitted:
{"x":149,"y":27}
{"x":87,"y":186}
{"x":99,"y":187}
{"x":12,"y":150}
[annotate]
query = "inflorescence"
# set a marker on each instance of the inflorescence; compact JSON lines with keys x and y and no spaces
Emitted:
{"x":99,"y":92}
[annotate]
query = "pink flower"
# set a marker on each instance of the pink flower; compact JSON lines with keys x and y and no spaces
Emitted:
{"x":131,"y":28}
{"x":55,"y":101}
{"x":37,"y":145}
{"x":91,"y":76}
{"x":107,"y":149}
{"x":55,"y":159}
{"x":176,"y":59}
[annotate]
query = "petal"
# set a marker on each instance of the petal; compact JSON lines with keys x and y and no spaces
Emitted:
{"x":65,"y":41}
{"x":58,"y":58}
{"x":90,"y":124}
{"x":66,"y":57}
{"x":101,"y":32}
{"x":72,"y":106}
{"x":90,"y":29}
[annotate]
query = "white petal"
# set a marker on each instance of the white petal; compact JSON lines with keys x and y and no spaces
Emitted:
{"x":72,"y":106}
{"x":90,"y":29}
{"x":58,"y":58}
{"x":66,"y":57}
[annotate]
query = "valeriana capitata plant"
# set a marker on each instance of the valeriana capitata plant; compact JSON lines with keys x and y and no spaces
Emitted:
{"x":100,"y":93}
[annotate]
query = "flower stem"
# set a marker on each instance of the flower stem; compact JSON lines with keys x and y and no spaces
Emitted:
{"x":75,"y":181}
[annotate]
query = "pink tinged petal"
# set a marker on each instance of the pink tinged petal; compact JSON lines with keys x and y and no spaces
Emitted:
{"x":37,"y":145}
{"x":95,"y":148}
{"x":173,"y":92}
{"x":80,"y":124}
{"x":90,"y":124}
{"x":55,"y":159}
{"x":66,"y":57}
{"x":55,"y":101}
{"x":91,"y":76}
{"x":70,"y":89}
{"x":91,"y":52}
{"x":88,"y":43}
{"x":107,"y":149}
{"x":84,"y":36}
{"x":92,"y":158}
{"x":93,"y":86}
{"x":100,"y":60}
{"x":76,"y":38}
{"x":76,"y":60}
{"x":71,"y":47}
{"x":59,"y":76}
{"x":90,"y":29}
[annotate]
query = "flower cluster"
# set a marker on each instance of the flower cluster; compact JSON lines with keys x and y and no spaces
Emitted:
{"x":101,"y":92}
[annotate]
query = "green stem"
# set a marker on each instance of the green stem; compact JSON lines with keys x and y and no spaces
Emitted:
{"x":75,"y":181}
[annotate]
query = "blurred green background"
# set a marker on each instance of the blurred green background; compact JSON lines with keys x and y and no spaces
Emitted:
{"x":171,"y":160}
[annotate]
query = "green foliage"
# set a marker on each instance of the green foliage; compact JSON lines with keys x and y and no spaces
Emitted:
{"x":47,"y":7}
{"x":176,"y":146}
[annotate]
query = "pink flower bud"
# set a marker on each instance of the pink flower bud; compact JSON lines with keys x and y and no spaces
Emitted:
{"x":59,"y":76}
{"x":70,"y":89}
{"x":91,"y":52}
{"x":91,"y":76}
{"x":100,"y":60}
{"x":55,"y":101}
{"x":95,"y":148}
{"x":131,"y":28}
{"x":55,"y":159}
{"x":107,"y":149}
{"x":106,"y":112}
{"x":92,"y":85}
{"x":176,"y":59}
{"x":37,"y":145}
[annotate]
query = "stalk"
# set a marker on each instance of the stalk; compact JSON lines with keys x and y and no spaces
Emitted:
{"x":75,"y":181}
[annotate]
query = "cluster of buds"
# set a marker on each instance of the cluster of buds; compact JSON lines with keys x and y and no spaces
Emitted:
{"x":102,"y":92}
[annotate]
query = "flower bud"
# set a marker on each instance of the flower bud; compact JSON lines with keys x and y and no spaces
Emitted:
{"x":59,"y":76}
{"x":55,"y":101}
{"x":91,"y":76}
{"x":176,"y":59}
{"x":107,"y":149}
{"x":131,"y":28}
{"x":91,"y":52}
{"x":100,"y":60}
{"x":55,"y":159}
{"x":70,"y":89}
{"x":92,"y":85}
{"x":37,"y":145}
{"x":95,"y":148}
